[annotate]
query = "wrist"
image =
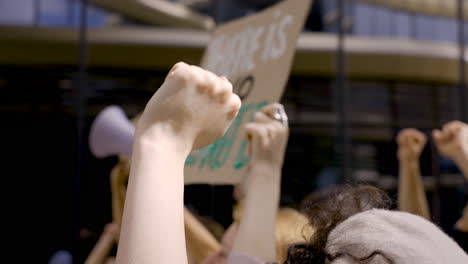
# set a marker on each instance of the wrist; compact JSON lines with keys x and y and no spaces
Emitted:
{"x":409,"y":160}
{"x":162,"y":137}
{"x":460,"y":157}
{"x":264,"y":175}
{"x":410,"y":169}
{"x":265,"y":168}
{"x":462,"y":163}
{"x":266,"y":163}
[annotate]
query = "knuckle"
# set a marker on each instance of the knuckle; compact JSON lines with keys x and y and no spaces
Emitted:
{"x":207,"y":82}
{"x":236,"y":102}
{"x":234,"y":106}
{"x":225,"y":90}
{"x":180,"y":72}
{"x":178,"y":65}
{"x":227,"y":86}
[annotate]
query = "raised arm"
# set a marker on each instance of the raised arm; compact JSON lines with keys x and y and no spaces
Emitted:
{"x":268,"y":139}
{"x":191,"y":109}
{"x":452,"y":142}
{"x":101,"y":251}
{"x":411,"y":195}
{"x":118,"y":183}
{"x":200,"y":242}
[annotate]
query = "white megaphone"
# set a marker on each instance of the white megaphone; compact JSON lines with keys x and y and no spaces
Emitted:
{"x":111,"y":133}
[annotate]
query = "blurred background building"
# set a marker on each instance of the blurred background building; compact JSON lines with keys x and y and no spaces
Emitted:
{"x":403,"y":65}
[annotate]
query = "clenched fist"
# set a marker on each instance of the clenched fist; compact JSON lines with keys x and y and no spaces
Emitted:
{"x":452,"y":141}
{"x":268,"y":137}
{"x":411,"y":143}
{"x":193,"y":105}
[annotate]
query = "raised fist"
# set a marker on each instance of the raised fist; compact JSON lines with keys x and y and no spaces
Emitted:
{"x":411,"y":142}
{"x":268,"y":136}
{"x":452,"y":141}
{"x":193,"y":105}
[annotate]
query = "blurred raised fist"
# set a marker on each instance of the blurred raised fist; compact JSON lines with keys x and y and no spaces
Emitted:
{"x":411,"y":142}
{"x":452,"y":141}
{"x":194,"y":105}
{"x":268,"y":136}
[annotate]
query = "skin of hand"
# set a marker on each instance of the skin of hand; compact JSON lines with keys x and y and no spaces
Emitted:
{"x":256,"y":231}
{"x":227,"y":241}
{"x":211,"y":98}
{"x":118,"y":184}
{"x":268,"y":138}
{"x":199,"y":241}
{"x":411,"y":195}
{"x":411,"y":143}
{"x":192,"y":109}
{"x":452,"y":142}
{"x":101,"y":250}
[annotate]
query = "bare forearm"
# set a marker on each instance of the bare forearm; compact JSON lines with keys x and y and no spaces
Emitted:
{"x":462,"y":163}
{"x":256,"y":234}
{"x":153,"y":226}
{"x":101,"y":250}
{"x":117,"y":205}
{"x":200,"y":242}
{"x":411,"y":194}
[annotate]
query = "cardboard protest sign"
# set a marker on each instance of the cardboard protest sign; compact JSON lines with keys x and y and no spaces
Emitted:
{"x":255,"y":53}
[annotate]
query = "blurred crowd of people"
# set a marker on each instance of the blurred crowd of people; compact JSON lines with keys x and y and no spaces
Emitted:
{"x":193,"y":108}
{"x":343,"y":224}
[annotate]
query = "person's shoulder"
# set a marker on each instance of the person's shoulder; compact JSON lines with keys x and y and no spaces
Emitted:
{"x":461,"y":238}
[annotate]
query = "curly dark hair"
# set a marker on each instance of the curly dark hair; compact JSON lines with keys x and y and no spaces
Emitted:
{"x":328,"y":209}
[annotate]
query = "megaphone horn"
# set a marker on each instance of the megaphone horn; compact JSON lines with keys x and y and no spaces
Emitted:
{"x":111,"y":133}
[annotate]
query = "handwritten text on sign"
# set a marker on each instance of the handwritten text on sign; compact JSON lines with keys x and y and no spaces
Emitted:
{"x":255,"y":53}
{"x":240,"y":50}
